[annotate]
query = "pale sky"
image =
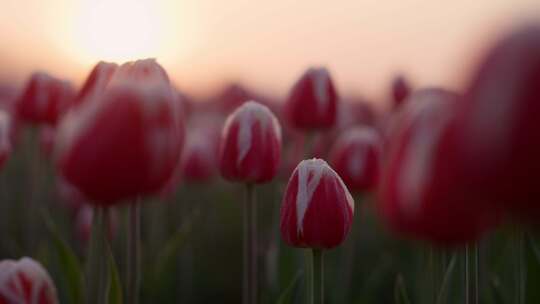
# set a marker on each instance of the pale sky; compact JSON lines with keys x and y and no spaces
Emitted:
{"x":265,"y":44}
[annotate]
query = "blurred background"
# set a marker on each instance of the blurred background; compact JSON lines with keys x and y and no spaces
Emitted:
{"x":264,"y":44}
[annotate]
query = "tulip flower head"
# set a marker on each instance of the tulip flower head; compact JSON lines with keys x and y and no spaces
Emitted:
{"x":356,"y":158}
{"x":97,"y":81}
{"x":44,"y":99}
{"x":125,"y":141}
{"x":400,"y":90}
{"x":199,"y":158}
{"x":317,"y":209}
{"x":312,"y":102}
{"x":250,"y":147}
{"x":25,"y":282}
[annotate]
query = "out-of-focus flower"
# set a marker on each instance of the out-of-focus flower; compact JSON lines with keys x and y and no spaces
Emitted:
{"x":97,"y":81}
{"x":250,"y":148}
{"x":6,"y":139}
{"x":400,"y":90}
{"x":25,"y":282}
{"x":312,"y":102}
{"x":199,"y":158}
{"x":317,"y":209}
{"x":44,"y":99}
{"x":46,"y":139}
{"x":498,"y":125}
{"x":125,"y":141}
{"x":423,"y":192}
{"x":356,"y":158}
{"x":71,"y":197}
{"x":83,"y":223}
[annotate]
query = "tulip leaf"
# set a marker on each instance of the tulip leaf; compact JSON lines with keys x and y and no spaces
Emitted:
{"x":286,"y":296}
{"x":400,"y":291}
{"x":69,"y":264}
{"x":169,"y":254}
{"x":446,"y":279}
{"x":535,"y":249}
{"x":115,"y":287}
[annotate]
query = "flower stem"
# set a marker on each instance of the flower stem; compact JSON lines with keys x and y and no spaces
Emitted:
{"x":522,"y":268}
{"x":472,"y":274}
{"x":250,"y":246}
{"x":133,"y":252}
{"x":98,"y":278}
{"x":308,"y":277}
{"x":318,"y":276}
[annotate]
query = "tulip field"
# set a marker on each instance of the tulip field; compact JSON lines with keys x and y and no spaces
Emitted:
{"x":127,"y":190}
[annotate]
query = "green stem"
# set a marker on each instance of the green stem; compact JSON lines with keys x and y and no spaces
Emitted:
{"x":467,"y":276}
{"x":522,"y":268}
{"x":250,"y":246}
{"x":472,"y":274}
{"x":318,"y":276}
{"x":133,"y":252}
{"x":308,"y":263}
{"x":98,"y":277}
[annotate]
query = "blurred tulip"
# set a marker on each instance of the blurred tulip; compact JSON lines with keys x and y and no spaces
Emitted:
{"x":312,"y":102}
{"x":44,"y":99}
{"x":25,"y":282}
{"x":126,"y":141}
{"x":5,"y":136}
{"x":356,"y":158}
{"x":422,"y":192}
{"x":317,"y":209}
{"x":69,"y":195}
{"x":498,"y":125}
{"x":97,"y":81}
{"x":250,"y":148}
{"x":83,"y":223}
{"x":401,"y":89}
{"x":199,"y":159}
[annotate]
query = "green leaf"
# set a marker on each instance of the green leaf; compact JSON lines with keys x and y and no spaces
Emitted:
{"x":535,"y":248}
{"x":286,"y":296}
{"x":70,"y":267}
{"x":446,"y":279}
{"x":400,"y":291}
{"x":168,"y":255}
{"x":115,"y":287}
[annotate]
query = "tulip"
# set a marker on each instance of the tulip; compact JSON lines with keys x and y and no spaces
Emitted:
{"x":44,"y":99}
{"x":199,"y":158}
{"x":25,"y":282}
{"x":250,"y":152}
{"x":312,"y":102}
{"x":317,"y":213}
{"x":46,"y":139}
{"x":356,"y":158}
{"x":122,"y":142}
{"x":401,"y":89}
{"x":250,"y":147}
{"x":97,"y":81}
{"x":83,"y":224}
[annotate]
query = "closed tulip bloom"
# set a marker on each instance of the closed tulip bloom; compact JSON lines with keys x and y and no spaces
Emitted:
{"x":44,"y":99}
{"x":423,"y":191}
{"x":97,"y":81}
{"x":356,"y":158}
{"x":84,"y":220}
{"x":126,"y":141}
{"x":25,"y":282}
{"x":5,"y":136}
{"x":401,"y":89}
{"x":499,"y":126}
{"x":312,"y":102}
{"x":317,"y":209}
{"x":250,"y":148}
{"x":199,"y":158}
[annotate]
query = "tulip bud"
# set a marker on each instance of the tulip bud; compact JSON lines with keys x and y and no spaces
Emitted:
{"x":422,"y":191}
{"x":199,"y":158}
{"x":250,"y":147}
{"x":499,"y":127}
{"x":84,"y":220}
{"x":126,"y":141}
{"x":317,"y":209}
{"x":312,"y":102}
{"x":44,"y":99}
{"x":96,"y":81}
{"x":25,"y":282}
{"x":5,"y":136}
{"x":400,"y":90}
{"x":356,"y":158}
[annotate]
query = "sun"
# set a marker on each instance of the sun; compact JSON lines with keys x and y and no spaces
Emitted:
{"x":118,"y":30}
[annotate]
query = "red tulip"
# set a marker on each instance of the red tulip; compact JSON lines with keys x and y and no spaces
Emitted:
{"x":401,"y":89}
{"x":317,"y":209}
{"x":199,"y":158}
{"x":126,"y":141}
{"x":6,"y":131}
{"x":84,"y":220}
{"x":97,"y":81}
{"x":70,"y":196}
{"x":44,"y":99}
{"x":46,"y":139}
{"x":250,"y":147}
{"x":356,"y":158}
{"x":499,"y":126}
{"x":312,"y":102}
{"x":25,"y":282}
{"x":422,"y":192}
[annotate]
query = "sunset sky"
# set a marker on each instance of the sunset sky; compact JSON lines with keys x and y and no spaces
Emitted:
{"x":265,"y":44}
